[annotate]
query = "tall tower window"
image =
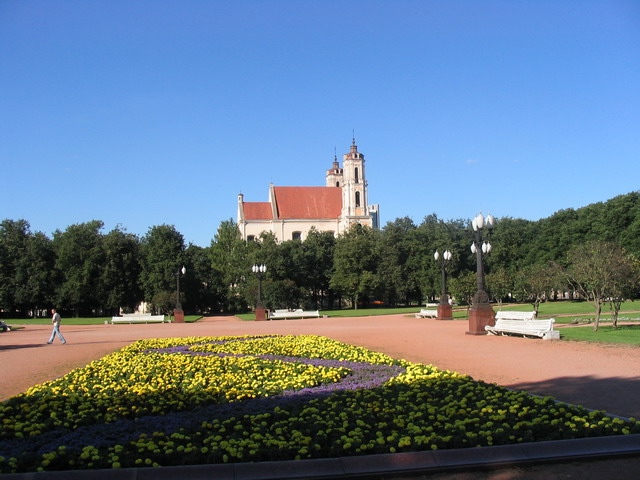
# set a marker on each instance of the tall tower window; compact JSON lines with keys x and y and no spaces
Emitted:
{"x":357,"y":181}
{"x":357,"y":198}
{"x":337,"y":184}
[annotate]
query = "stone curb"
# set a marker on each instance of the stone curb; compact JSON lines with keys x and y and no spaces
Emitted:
{"x":370,"y":465}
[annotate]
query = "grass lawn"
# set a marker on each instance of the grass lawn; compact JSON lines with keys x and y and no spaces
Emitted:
{"x":627,"y":334}
{"x":79,"y":320}
{"x":550,"y":309}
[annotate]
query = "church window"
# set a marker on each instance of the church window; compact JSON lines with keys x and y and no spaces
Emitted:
{"x":337,"y":184}
{"x":250,"y":238}
{"x":357,"y":199}
{"x":296,"y":236}
{"x":357,"y":181}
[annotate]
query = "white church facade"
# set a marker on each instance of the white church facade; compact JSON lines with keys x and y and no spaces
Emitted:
{"x":291,"y":212}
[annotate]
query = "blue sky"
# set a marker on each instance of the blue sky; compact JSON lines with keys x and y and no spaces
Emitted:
{"x":160,"y":112}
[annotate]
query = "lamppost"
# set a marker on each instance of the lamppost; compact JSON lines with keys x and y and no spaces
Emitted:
{"x":445,"y":312}
{"x":481,"y":313}
{"x":260,"y":270}
{"x":178,"y":313}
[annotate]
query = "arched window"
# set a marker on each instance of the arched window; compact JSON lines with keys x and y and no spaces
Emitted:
{"x":357,"y":181}
{"x":337,"y":184}
{"x":357,"y":199}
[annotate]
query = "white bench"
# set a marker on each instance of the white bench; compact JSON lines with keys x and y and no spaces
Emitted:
{"x":298,"y":313}
{"x":511,"y":315}
{"x":538,"y":328}
{"x":423,"y":313}
{"x":138,"y":318}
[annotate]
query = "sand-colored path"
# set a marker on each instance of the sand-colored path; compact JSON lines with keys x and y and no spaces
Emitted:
{"x":596,"y":376}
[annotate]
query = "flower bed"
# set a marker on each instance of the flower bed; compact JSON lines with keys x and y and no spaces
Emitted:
{"x":233,"y":399}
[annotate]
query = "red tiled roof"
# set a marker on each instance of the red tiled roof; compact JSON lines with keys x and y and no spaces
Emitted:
{"x":257,"y":211}
{"x":308,"y":202}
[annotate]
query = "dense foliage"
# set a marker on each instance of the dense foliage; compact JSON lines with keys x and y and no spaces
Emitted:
{"x":233,"y":399}
{"x":84,"y":271}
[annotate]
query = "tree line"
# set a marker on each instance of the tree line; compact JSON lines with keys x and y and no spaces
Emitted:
{"x":88,"y":272}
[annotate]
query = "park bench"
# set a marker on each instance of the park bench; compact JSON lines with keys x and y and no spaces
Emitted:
{"x":424,"y":313}
{"x":297,"y":313}
{"x":138,"y":318}
{"x":511,"y":315}
{"x":523,"y":323}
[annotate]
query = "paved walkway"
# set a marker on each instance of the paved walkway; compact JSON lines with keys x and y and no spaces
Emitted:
{"x":596,"y":376}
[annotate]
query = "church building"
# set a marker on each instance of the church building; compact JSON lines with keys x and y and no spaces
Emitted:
{"x":292,"y":211}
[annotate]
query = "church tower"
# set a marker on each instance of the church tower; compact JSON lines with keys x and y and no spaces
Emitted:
{"x":354,"y":187}
{"x":334,"y":174}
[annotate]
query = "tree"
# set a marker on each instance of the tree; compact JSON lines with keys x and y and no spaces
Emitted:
{"x":162,"y":257}
{"x":120,"y":274}
{"x":200,"y":289}
{"x":35,"y":275}
{"x":624,"y":283}
{"x":593,"y":271}
{"x":79,"y":261}
{"x":355,"y":264}
{"x":229,"y":263}
{"x":535,"y":283}
{"x":318,"y":250}
{"x":500,"y":285}
{"x":463,"y":287}
{"x":14,"y":236}
{"x":397,"y":245}
{"x":510,"y":241}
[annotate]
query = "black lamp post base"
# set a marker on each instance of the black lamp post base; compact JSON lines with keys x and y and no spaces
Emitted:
{"x":480,"y":316}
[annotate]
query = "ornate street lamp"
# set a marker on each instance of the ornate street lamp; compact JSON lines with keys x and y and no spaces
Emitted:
{"x":481,"y":312}
{"x":445,"y":312}
{"x":260,"y":270}
{"x":178,"y":313}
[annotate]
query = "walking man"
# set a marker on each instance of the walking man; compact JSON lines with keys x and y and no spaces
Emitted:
{"x":56,"y":321}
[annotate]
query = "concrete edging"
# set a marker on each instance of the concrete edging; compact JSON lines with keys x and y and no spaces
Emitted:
{"x":367,"y":465}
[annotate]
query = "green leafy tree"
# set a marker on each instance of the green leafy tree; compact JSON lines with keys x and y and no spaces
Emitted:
{"x":79,"y":262}
{"x":14,"y":236}
{"x":463,"y":287}
{"x":198,"y":285}
{"x":230,"y":266}
{"x":35,"y":276}
{"x":535,"y":283}
{"x":593,"y":271}
{"x":162,"y":257}
{"x":510,"y":241}
{"x":500,"y":284}
{"x":120,"y":272}
{"x":397,"y":245}
{"x":355,"y":264}
{"x":624,"y":283}
{"x":318,"y":250}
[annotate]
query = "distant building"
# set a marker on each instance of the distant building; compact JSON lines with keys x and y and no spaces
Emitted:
{"x":290,"y":212}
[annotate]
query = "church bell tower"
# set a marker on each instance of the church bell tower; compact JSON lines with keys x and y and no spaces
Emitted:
{"x":354,"y":188}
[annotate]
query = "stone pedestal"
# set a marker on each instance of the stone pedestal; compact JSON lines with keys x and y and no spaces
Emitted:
{"x":178,"y":316}
{"x":445,"y":312}
{"x":480,"y":316}
{"x":261,"y":314}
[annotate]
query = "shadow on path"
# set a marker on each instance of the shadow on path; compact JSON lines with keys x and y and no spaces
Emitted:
{"x":613,"y":394}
